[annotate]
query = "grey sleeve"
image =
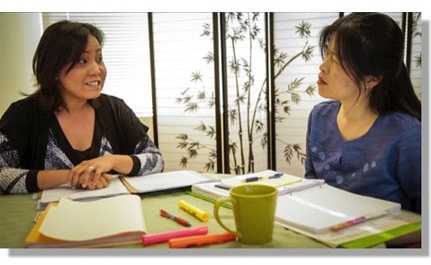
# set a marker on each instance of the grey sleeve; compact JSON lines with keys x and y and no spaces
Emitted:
{"x":12,"y":178}
{"x":147,"y":159}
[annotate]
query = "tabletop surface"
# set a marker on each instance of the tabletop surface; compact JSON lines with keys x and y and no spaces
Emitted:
{"x":18,"y":212}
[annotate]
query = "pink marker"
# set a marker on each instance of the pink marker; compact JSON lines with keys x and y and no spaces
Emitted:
{"x":150,"y":239}
{"x":349,"y":223}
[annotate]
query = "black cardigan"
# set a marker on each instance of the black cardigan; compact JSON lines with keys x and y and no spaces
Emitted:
{"x":26,"y":125}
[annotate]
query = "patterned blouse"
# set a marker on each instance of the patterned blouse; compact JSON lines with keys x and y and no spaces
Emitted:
{"x":29,"y":143}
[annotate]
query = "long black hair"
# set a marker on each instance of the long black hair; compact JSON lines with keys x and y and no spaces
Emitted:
{"x":371,"y":44}
{"x":61,"y":44}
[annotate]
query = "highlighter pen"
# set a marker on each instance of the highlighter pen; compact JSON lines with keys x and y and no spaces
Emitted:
{"x":151,"y":239}
{"x":348,"y":223}
{"x":192,"y":210}
{"x":195,"y":241}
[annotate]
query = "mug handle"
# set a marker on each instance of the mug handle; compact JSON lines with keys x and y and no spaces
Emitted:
{"x":217,"y":204}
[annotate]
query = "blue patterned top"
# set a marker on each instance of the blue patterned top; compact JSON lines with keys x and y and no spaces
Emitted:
{"x":384,"y":163}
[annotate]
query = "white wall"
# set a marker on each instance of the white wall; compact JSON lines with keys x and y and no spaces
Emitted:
{"x":20,"y":34}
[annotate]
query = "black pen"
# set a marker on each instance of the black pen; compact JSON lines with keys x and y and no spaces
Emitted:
{"x":222,"y":186}
{"x":275,"y":175}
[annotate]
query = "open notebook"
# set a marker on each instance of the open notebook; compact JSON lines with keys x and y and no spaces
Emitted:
{"x":126,"y":185}
{"x":320,"y":208}
{"x":103,"y":222}
{"x":268,"y":177}
{"x":285,"y":184}
{"x":309,"y":204}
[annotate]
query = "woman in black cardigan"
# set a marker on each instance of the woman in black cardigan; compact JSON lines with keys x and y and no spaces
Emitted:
{"x":67,"y":132}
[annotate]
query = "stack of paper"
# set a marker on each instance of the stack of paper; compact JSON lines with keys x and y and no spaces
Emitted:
{"x":104,"y":222}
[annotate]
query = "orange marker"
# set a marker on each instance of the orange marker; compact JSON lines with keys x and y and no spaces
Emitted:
{"x":196,"y":241}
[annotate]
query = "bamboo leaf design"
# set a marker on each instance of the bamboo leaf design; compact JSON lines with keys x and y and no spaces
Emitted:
{"x":232,"y":115}
{"x":247,"y":109}
{"x":183,"y":162}
{"x":209,"y":58}
{"x":202,"y":127}
{"x":201,"y":95}
{"x":211,"y":103}
{"x":194,"y":145}
{"x":196,"y":76}
{"x":182,"y":136}
{"x":295,"y":97}
{"x":307,"y":53}
{"x":191,"y":107}
{"x":210,"y":165}
{"x":206,"y":30}
{"x":213,"y":154}
{"x":297,"y":82}
{"x":288,"y":153}
{"x":186,"y":99}
{"x":264,"y":140}
{"x":211,"y":131}
{"x":182,"y":145}
{"x":303,"y":29}
{"x":192,"y":153}
{"x":259,"y":126}
{"x":310,"y":90}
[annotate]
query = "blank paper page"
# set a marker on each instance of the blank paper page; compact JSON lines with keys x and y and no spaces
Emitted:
{"x":79,"y":221}
{"x":317,"y":209}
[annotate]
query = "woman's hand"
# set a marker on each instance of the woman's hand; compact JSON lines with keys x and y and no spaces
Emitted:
{"x":100,"y":183}
{"x":91,"y":174}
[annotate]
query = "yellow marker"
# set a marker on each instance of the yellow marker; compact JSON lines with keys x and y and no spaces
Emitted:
{"x":199,"y":214}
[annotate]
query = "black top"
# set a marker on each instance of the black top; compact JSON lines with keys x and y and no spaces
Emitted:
{"x":78,"y":156}
{"x":31,"y":139}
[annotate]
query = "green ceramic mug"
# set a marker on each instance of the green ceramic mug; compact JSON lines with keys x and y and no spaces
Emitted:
{"x":253,"y":208}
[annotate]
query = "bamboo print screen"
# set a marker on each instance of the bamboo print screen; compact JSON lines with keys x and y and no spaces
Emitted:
{"x":184,"y":72}
{"x":296,"y":39}
{"x":416,"y":57}
{"x":246,"y":83}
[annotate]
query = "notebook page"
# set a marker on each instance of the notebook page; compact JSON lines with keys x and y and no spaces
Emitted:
{"x":284,"y":180}
{"x":210,"y":190}
{"x":319,"y":208}
{"x":115,"y":187}
{"x":166,"y":180}
{"x":54,"y":195}
{"x":372,"y":227}
{"x":79,"y":221}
